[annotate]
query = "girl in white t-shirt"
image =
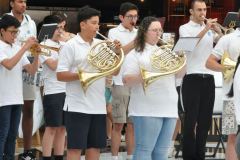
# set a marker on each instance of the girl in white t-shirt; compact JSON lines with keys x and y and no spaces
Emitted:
{"x":154,"y":111}
{"x":12,"y":61}
{"x":54,"y":96}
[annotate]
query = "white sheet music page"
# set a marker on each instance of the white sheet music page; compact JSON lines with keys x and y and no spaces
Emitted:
{"x":186,"y":44}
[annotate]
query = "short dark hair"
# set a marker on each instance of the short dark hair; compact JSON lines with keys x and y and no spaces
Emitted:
{"x":194,"y":1}
{"x":127,"y":6}
{"x":52,"y":19}
{"x":142,"y":29}
{"x":9,"y":21}
{"x":87,"y":12}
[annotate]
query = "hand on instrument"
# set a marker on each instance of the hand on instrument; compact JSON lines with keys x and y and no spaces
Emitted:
{"x":118,"y":46}
{"x":210,"y":23}
{"x":31,"y":41}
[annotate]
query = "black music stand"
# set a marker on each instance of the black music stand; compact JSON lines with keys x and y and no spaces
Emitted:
{"x":47,"y":31}
{"x":231,"y":20}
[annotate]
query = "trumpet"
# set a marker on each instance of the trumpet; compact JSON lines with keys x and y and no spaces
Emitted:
{"x":224,"y":29}
{"x":44,"y":49}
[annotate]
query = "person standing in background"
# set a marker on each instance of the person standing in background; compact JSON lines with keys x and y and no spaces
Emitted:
{"x":125,"y":32}
{"x":198,"y":86}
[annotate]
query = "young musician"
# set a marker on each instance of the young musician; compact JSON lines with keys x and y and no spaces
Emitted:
{"x":85,"y":112}
{"x":27,"y":29}
{"x":198,"y":88}
{"x":228,"y":44}
{"x":235,"y":93}
{"x":125,"y":32}
{"x":154,"y":111}
{"x":54,"y":96}
{"x":12,"y":61}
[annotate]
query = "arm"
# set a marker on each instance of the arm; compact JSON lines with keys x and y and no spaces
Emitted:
{"x":212,"y":63}
{"x":67,"y":76}
{"x":127,"y":48}
{"x":51,"y":63}
{"x":32,"y":68}
{"x":132,"y":79}
{"x":10,"y":63}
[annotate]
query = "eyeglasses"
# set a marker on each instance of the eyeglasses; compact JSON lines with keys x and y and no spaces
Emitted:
{"x":131,"y":17}
{"x":14,"y":32}
{"x":157,"y":30}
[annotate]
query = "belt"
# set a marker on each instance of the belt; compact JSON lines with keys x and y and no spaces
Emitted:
{"x":200,"y":75}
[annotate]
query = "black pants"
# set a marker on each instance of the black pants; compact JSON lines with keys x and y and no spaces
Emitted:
{"x":198,"y":94}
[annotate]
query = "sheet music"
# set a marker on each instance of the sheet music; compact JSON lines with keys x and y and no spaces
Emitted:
{"x":186,"y":44}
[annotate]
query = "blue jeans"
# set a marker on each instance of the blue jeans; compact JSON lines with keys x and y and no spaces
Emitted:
{"x":152,"y":137}
{"x":9,"y":123}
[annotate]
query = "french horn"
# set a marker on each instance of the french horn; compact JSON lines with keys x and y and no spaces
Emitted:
{"x":229,"y":67}
{"x":104,"y":59}
{"x":164,"y":62}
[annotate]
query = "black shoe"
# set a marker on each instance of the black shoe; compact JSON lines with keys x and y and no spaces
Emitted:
{"x":27,"y":156}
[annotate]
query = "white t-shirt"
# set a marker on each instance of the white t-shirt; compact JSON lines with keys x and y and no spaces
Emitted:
{"x":196,"y":60}
{"x":236,"y":97}
{"x":73,"y":55}
{"x":160,"y":98}
{"x":51,"y":84}
{"x":27,"y":28}
{"x":125,"y":36}
{"x":229,"y":43}
{"x":11,"y":89}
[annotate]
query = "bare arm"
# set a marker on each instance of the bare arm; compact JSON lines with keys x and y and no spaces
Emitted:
{"x":32,"y":68}
{"x":132,"y":79}
{"x":212,"y":63}
{"x":10,"y":63}
{"x":67,"y":76}
{"x":127,"y":48}
{"x":51,"y":63}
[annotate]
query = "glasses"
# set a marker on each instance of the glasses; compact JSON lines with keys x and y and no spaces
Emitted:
{"x":131,"y":17}
{"x":157,"y":30}
{"x":14,"y":32}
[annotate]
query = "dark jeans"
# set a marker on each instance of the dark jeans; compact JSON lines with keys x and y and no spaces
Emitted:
{"x":198,"y":94}
{"x":9,"y":123}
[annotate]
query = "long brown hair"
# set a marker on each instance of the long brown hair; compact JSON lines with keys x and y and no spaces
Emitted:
{"x":141,"y":34}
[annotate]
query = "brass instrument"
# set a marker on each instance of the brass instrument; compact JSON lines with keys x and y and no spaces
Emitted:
{"x":45,"y":50}
{"x":225,"y":29}
{"x":103,"y":58}
{"x":164,"y":62}
{"x":229,"y":67}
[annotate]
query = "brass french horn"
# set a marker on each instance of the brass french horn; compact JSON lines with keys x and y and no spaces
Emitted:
{"x":103,"y":58}
{"x":164,"y":62}
{"x":229,"y":66}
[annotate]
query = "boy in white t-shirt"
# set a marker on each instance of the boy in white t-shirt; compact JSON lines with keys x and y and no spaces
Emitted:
{"x":85,"y":112}
{"x":12,"y":61}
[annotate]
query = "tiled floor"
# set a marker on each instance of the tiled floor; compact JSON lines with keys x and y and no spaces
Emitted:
{"x":122,"y":155}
